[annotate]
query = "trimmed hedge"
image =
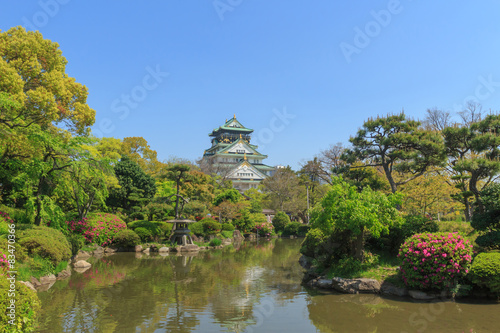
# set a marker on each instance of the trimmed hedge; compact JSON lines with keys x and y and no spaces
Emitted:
{"x":485,"y":271}
{"x":292,"y":228}
{"x":126,"y":238}
{"x":26,"y":311}
{"x":210,"y":227}
{"x":156,"y":228}
{"x":280,"y":220}
{"x":46,"y":242}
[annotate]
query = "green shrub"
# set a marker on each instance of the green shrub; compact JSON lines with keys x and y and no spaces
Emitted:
{"x":197,"y":228}
{"x":215,"y":242}
{"x":485,"y":271}
{"x":156,"y":228}
{"x":312,"y":243}
{"x":76,"y":242}
{"x":143,"y":233}
{"x":126,"y":238}
{"x":292,"y":228}
{"x":227,"y":234}
{"x":26,"y":311}
{"x":490,"y":240}
{"x":210,"y":227}
{"x":280,"y":220}
{"x":434,"y":261}
{"x":245,"y":222}
{"x":227,"y":227}
{"x":264,"y":229}
{"x":46,"y":242}
{"x":303,"y":230}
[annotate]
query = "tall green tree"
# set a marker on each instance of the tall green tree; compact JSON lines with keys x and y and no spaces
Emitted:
{"x":135,"y":189}
{"x":396,"y":144}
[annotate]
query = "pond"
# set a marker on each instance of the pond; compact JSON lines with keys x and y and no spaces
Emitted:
{"x":252,"y":288}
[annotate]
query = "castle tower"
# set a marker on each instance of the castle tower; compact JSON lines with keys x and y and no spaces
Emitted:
{"x":232,"y":154}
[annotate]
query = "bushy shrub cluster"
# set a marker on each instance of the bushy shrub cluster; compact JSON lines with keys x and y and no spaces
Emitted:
{"x":196,"y":228}
{"x":76,"y":241}
{"x":227,"y":227}
{"x":434,"y":261}
{"x":485,"y":271}
{"x":4,"y":263}
{"x":210,"y":226}
{"x":280,"y":220}
{"x":26,"y":311}
{"x":264,"y":229}
{"x":155,"y":229}
{"x":99,"y":228}
{"x":47,"y":243}
{"x":126,"y":238}
{"x":292,"y":228}
{"x":144,"y":234}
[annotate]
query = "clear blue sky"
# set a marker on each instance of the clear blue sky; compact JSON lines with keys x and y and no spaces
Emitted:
{"x":329,"y":64}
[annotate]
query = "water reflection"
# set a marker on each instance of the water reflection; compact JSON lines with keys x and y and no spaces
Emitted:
{"x":251,"y":288}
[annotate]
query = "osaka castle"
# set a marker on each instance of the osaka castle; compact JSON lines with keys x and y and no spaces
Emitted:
{"x":235,"y":157}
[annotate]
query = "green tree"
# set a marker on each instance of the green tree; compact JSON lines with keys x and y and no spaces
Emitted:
{"x":281,"y":187}
{"x":135,"y":186}
{"x":396,"y":144}
{"x":232,"y":195}
{"x":178,"y":173}
{"x":344,"y":208}
{"x":486,"y":219}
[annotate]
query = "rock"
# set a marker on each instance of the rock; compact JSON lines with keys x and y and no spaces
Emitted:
{"x":227,"y":241}
{"x":164,"y":249}
{"x":64,"y":274}
{"x":421,"y":295}
{"x":48,"y":279}
{"x":28,"y":284}
{"x":146,"y":250}
{"x":109,"y":250}
{"x":237,"y":235}
{"x":388,"y":288}
{"x":98,"y":251}
{"x":35,"y":282}
{"x":354,"y":286}
{"x":324,"y":283}
{"x":82,"y":264}
{"x":189,"y":248}
{"x":82,"y":255}
{"x":138,"y":248}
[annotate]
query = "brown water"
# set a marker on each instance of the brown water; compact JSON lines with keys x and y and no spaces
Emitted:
{"x":255,"y":288}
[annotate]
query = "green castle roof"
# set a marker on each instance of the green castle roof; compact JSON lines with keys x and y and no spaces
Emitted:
{"x":231,"y":125}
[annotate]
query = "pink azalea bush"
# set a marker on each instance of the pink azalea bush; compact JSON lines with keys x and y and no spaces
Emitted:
{"x":4,"y":263}
{"x":5,"y":219}
{"x":434,"y":261}
{"x":264,"y":229}
{"x":99,"y":228}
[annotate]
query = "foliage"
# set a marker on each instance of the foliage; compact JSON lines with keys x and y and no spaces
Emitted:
{"x":144,"y":234}
{"x":396,"y":144}
{"x":230,"y":211}
{"x":345,"y":208}
{"x":292,"y":228}
{"x":411,"y":225}
{"x":486,"y":218}
{"x":245,"y":222}
{"x":197,"y":228}
{"x":281,"y":187}
{"x":136,"y":187}
{"x":226,"y":234}
{"x":210,"y":226}
{"x":434,"y":261}
{"x":156,"y":228}
{"x":227,"y":227}
{"x":311,"y":245}
{"x":5,"y":220}
{"x":76,"y":241}
{"x":196,"y":208}
{"x":138,"y":150}
{"x":232,"y":195}
{"x":178,"y":173}
{"x":215,"y":242}
{"x":264,"y":229}
{"x":280,"y":220}
{"x":98,"y":228}
{"x":27,"y":307}
{"x":46,"y":242}
{"x":126,"y":238}
{"x":485,"y":271}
